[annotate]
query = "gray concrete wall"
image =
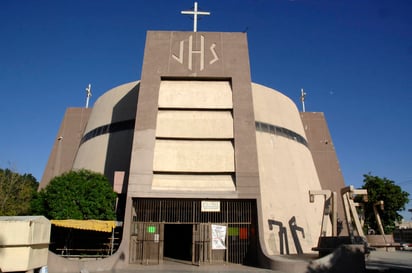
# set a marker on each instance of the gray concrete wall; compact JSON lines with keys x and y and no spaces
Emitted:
{"x":66,"y":143}
{"x":325,"y":157}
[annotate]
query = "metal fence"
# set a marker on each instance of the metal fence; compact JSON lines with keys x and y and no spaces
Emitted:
{"x":237,"y":215}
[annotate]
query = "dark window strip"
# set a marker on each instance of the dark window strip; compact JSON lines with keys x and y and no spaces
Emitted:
{"x":280,"y":131}
{"x":109,"y":128}
{"x":129,"y":125}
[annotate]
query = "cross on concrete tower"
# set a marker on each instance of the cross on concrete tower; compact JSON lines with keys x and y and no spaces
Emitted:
{"x":88,"y":94}
{"x":195,"y":13}
{"x":302,"y":99}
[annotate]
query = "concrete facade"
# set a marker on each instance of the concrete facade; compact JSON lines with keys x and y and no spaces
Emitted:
{"x":195,"y":127}
{"x":223,"y":57}
{"x":325,"y":157}
{"x":287,"y":173}
{"x":66,"y":143}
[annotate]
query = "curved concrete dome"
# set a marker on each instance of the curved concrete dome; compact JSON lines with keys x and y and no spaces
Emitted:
{"x":117,"y":104}
{"x":286,"y":173}
{"x":273,"y":107}
{"x":107,"y":142}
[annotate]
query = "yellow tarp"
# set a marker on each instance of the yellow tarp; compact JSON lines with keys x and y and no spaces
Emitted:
{"x":97,"y":225}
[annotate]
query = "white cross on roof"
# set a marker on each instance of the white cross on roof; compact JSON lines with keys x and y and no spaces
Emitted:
{"x":195,"y":13}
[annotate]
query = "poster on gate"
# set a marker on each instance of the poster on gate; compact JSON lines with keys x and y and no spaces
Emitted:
{"x":218,"y":237}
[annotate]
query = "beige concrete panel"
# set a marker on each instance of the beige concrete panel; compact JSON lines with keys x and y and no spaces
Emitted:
{"x":24,"y":230}
{"x":275,"y":108}
{"x":104,"y":106}
{"x":193,"y":156}
{"x":194,"y":124}
{"x":141,"y":164}
{"x":24,"y":258}
{"x":195,"y":94}
{"x":287,"y":173}
{"x":143,"y":146}
{"x":92,"y":154}
{"x":193,"y":182}
{"x":24,"y":242}
{"x":141,"y":184}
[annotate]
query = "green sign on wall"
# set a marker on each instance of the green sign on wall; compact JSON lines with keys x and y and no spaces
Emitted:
{"x":151,"y":229}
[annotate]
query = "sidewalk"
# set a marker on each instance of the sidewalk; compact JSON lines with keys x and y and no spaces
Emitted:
{"x":173,"y":267}
{"x":392,"y":261}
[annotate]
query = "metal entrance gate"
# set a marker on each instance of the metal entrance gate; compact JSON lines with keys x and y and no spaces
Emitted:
{"x":201,"y":244}
{"x":146,"y":243}
{"x":151,"y":216}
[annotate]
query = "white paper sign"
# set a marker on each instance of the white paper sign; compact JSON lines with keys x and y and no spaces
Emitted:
{"x":218,"y":237}
{"x":210,"y":206}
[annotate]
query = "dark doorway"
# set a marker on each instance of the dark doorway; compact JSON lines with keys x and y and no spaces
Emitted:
{"x":178,"y":241}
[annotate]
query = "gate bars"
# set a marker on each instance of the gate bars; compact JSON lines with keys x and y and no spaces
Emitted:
{"x":239,"y":215}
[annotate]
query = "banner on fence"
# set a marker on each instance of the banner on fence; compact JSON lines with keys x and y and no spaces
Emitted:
{"x":218,"y":237}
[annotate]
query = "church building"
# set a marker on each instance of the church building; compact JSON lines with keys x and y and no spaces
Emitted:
{"x":210,"y":167}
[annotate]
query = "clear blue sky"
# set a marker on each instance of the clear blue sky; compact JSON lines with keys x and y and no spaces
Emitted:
{"x":352,"y":57}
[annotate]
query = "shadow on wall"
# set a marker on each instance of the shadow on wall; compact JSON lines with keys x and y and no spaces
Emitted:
{"x":119,"y":148}
{"x":283,"y":235}
{"x":121,"y":139}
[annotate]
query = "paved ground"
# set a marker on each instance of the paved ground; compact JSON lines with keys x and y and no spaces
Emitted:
{"x":392,"y":261}
{"x":173,"y":268}
{"x":376,"y":262}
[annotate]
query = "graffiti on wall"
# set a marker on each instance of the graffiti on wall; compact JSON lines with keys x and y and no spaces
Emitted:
{"x":283,"y":235}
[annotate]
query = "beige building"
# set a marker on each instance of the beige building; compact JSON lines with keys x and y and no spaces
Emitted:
{"x":211,"y":168}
